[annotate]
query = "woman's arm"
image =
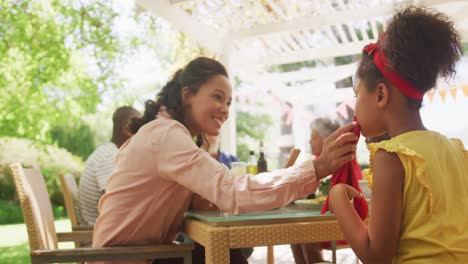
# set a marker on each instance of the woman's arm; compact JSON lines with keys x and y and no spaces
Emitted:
{"x":378,"y":242}
{"x":180,"y":160}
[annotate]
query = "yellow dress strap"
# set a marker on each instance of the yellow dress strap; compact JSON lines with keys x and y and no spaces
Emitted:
{"x":403,"y":152}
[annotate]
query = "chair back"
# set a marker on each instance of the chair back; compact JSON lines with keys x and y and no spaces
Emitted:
{"x":70,"y":195}
{"x":292,"y":157}
{"x":36,"y":207}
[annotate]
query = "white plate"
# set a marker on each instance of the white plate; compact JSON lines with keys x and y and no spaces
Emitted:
{"x":309,"y":203}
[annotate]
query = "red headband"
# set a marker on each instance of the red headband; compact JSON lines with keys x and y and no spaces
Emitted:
{"x":392,"y":75}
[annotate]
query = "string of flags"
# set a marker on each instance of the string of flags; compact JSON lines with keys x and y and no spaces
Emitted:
{"x":453,"y":92}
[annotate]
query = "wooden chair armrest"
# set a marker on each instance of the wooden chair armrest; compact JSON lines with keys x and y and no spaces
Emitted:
{"x":111,"y":253}
{"x":76,"y":236}
{"x":82,"y":227}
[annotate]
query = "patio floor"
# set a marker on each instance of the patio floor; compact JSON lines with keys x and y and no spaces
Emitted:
{"x":283,"y":255}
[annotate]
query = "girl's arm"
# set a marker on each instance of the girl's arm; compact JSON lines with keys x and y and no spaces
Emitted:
{"x":378,"y":242}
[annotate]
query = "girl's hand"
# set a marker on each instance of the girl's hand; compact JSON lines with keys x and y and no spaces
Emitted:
{"x":337,"y":192}
{"x":338,"y":149}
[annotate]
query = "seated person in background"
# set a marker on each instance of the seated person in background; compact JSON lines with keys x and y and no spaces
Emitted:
{"x":320,"y":128}
{"x":99,"y":166}
{"x":211,"y":144}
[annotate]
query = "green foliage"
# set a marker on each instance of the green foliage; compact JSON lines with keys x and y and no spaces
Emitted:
{"x":250,"y":126}
{"x":364,"y":166}
{"x":79,"y":139}
{"x":243,"y":151}
{"x":465,"y":47}
{"x":324,"y":187}
{"x":10,"y":213}
{"x":60,"y":59}
{"x":50,"y":159}
{"x":47,"y":51}
{"x":15,"y":255}
{"x":344,"y":60}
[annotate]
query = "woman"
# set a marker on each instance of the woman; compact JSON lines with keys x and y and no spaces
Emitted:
{"x":160,"y":168}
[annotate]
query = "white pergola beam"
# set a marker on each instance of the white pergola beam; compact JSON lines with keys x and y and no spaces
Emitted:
{"x":341,"y":33}
{"x":173,"y":2}
{"x":314,"y":22}
{"x":331,"y":74}
{"x":305,"y":55}
{"x":330,"y":35}
{"x":207,"y":37}
{"x":314,"y":94}
{"x":364,"y":34}
{"x":352,"y":32}
{"x":341,"y":17}
{"x":277,"y":9}
{"x":375,"y":31}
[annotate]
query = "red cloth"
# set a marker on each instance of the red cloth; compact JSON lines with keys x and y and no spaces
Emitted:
{"x":349,"y":174}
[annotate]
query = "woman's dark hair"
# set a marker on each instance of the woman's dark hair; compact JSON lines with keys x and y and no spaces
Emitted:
{"x":421,"y":45}
{"x":196,"y":73}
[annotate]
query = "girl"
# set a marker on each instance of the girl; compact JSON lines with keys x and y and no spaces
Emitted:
{"x":420,"y":177}
{"x":160,"y":168}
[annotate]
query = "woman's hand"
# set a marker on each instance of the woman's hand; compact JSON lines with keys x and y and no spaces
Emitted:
{"x":200,"y":204}
{"x":337,"y":193}
{"x":338,"y":149}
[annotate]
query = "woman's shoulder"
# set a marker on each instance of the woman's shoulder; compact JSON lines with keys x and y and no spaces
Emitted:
{"x":161,"y":126}
{"x":158,"y":132}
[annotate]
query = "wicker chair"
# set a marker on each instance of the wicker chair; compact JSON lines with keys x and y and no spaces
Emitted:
{"x":69,"y":190}
{"x":43,"y":239}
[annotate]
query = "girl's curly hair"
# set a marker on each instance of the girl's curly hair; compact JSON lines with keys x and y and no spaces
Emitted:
{"x":421,"y":44}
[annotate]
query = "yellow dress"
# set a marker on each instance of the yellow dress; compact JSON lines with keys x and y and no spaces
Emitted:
{"x":434,"y":227}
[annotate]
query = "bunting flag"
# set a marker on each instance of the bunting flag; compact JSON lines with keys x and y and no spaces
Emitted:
{"x":430,"y":95}
{"x":453,"y":92}
{"x":465,"y":90}
{"x":442,"y":93}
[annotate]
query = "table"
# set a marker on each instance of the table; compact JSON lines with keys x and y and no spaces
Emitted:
{"x":288,"y":225}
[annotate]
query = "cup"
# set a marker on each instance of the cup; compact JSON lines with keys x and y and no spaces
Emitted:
{"x":238,"y":168}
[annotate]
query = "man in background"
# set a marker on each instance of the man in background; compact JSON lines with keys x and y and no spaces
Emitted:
{"x":99,"y":166}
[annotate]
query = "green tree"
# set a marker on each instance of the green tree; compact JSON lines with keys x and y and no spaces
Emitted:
{"x":250,"y":126}
{"x":78,"y":139}
{"x":47,"y":51}
{"x":61,"y":59}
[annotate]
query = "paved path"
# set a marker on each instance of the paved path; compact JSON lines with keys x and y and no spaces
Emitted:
{"x":283,"y":255}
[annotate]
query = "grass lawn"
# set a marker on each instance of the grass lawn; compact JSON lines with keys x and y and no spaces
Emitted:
{"x":14,"y":247}
{"x":15,"y":255}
